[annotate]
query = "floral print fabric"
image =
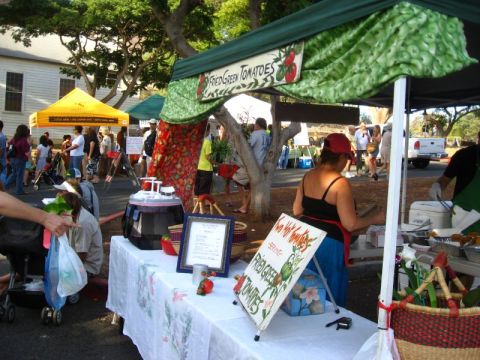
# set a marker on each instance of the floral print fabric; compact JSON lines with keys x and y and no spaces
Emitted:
{"x":175,"y":158}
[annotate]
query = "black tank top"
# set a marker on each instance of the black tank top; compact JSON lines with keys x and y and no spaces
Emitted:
{"x":321,"y":209}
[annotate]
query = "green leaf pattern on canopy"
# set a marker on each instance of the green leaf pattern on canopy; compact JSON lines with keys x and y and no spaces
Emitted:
{"x":181,"y":105}
{"x":358,"y":60}
{"x":355,"y":60}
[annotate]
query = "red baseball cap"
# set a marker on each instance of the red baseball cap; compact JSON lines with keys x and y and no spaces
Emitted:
{"x":338,"y":144}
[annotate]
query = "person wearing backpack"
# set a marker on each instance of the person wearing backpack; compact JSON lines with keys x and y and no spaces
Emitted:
{"x":17,"y":152}
{"x":149,"y":139}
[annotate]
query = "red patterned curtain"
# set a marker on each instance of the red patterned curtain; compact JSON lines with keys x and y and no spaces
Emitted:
{"x":175,"y":158}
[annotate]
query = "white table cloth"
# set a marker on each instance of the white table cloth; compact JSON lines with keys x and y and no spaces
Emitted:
{"x":167,"y":320}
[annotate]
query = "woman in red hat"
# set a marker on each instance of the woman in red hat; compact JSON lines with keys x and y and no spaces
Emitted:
{"x":324,"y":199}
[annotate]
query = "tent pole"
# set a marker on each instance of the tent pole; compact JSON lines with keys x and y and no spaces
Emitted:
{"x":393,"y":205}
{"x":405,"y":169}
{"x":406,"y":137}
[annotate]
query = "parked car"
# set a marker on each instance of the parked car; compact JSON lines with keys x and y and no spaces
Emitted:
{"x":421,"y":150}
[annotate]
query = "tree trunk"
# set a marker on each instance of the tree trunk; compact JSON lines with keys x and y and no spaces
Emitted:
{"x":260,"y":177}
{"x":254,"y":10}
{"x":380,"y":115}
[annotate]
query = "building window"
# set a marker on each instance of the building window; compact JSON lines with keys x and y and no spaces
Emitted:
{"x":66,"y":85}
{"x":14,"y":92}
{"x":111,"y":78}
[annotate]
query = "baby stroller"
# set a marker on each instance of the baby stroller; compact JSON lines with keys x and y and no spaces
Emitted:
{"x":21,"y":242}
{"x":50,"y":172}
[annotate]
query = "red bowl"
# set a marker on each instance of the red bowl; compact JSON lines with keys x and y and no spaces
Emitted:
{"x":167,"y":247}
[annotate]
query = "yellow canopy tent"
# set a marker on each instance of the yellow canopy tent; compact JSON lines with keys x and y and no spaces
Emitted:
{"x":78,"y":108}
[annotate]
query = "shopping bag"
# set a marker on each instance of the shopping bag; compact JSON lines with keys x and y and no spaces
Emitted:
{"x":72,"y":273}
{"x":51,"y":277}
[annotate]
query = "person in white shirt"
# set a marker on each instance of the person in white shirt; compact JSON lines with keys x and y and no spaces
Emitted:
{"x":362,"y":138}
{"x":76,"y":149}
{"x":259,"y":143}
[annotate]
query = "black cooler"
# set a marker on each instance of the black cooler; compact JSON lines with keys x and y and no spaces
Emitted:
{"x":148,"y":216}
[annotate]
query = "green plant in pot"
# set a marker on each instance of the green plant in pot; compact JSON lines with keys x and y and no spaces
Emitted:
{"x":221,"y":150}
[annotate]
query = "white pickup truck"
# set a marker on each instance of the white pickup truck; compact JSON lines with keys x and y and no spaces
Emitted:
{"x":421,"y":150}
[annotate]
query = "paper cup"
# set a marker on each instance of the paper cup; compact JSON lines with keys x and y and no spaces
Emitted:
{"x":197,"y":276}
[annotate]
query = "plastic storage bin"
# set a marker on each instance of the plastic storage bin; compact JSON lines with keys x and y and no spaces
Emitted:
{"x":305,"y":162}
{"x":440,"y":217}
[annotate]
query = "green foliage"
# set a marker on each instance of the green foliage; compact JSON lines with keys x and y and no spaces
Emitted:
{"x":365,"y":118}
{"x":275,"y":9}
{"x":231,"y":20}
{"x":472,"y":298}
{"x":110,"y":41}
{"x":58,"y":206}
{"x":468,"y":127}
{"x":415,"y":275}
{"x":221,"y":150}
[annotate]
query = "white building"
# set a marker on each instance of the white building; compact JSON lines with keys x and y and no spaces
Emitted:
{"x":30,"y":80}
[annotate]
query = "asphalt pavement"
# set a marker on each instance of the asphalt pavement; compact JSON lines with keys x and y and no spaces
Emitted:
{"x":114,"y":198}
{"x":87,"y":331}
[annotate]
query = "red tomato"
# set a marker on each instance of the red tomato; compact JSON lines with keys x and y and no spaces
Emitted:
{"x":290,"y":58}
{"x":207,"y":286}
{"x":291,"y":73}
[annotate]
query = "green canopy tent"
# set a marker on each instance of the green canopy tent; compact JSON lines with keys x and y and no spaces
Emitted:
{"x":353,"y":52}
{"x":147,"y":109}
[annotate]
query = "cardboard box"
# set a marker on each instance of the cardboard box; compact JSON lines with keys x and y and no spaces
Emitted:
{"x":376,"y":236}
{"x":307,"y":296}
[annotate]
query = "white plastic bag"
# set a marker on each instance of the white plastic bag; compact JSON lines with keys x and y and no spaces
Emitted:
{"x":370,"y":349}
{"x":72,"y":273}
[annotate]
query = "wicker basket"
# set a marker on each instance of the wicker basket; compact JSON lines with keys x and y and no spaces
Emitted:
{"x":423,"y":332}
{"x":239,"y":243}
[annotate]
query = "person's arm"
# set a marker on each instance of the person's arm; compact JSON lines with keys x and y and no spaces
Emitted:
{"x":297,"y":203}
{"x":438,"y":187}
{"x":208,"y":151}
{"x":346,"y":209}
{"x":12,"y":207}
{"x":443,"y":181}
{"x":73,"y":146}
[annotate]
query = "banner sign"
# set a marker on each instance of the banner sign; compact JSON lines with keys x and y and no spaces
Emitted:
{"x":85,"y":119}
{"x":134,"y":145}
{"x":276,"y":267}
{"x":275,"y":67}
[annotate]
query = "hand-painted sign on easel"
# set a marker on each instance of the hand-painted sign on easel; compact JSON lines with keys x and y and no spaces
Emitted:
{"x":276,"y":267}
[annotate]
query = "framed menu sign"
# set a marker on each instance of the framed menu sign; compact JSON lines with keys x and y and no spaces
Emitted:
{"x":206,"y":240}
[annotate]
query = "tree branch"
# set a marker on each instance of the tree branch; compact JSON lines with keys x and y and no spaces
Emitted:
{"x":78,"y":65}
{"x":173,"y":25}
{"x":254,"y":10}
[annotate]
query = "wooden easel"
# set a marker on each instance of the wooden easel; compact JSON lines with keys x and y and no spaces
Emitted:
{"x":122,"y":160}
{"x":198,"y":201}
